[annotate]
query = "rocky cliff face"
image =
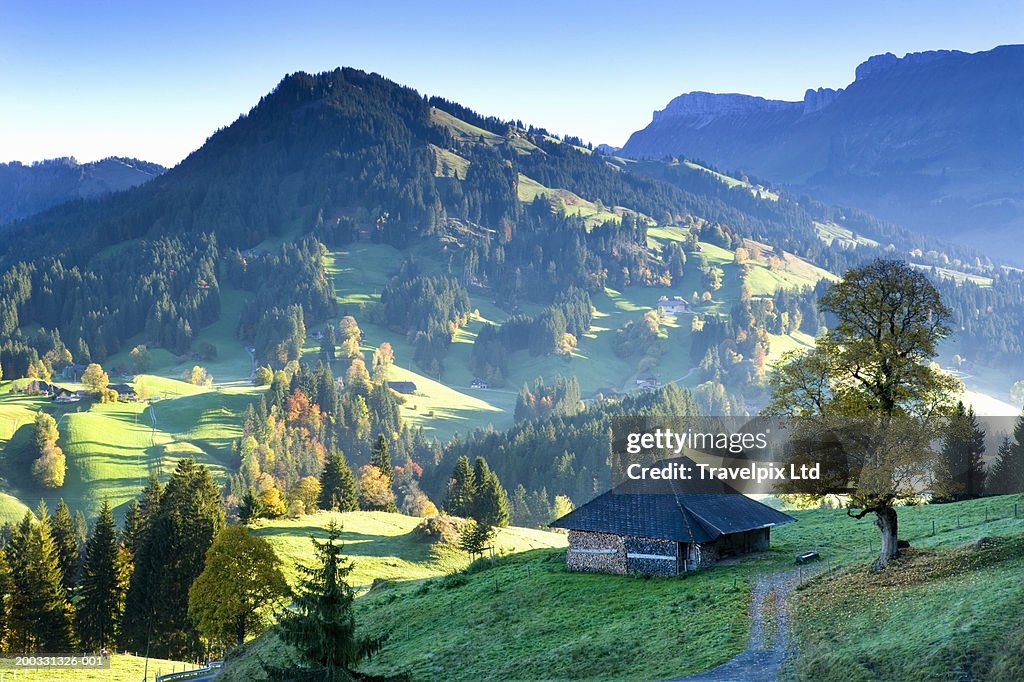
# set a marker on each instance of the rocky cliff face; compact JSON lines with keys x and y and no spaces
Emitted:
{"x":880,"y":63}
{"x":816,"y":100}
{"x":706,"y":106}
{"x":934,"y":140}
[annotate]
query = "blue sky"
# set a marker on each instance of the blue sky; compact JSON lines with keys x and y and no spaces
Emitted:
{"x":153,"y":80}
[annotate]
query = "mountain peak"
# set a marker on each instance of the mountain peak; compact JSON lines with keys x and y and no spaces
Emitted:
{"x":707,"y":106}
{"x":881,"y":63}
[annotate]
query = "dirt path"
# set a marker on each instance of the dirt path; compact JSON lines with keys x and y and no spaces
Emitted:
{"x":768,"y":646}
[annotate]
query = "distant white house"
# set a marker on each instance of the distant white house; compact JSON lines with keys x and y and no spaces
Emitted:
{"x":672,"y":306}
{"x":647,"y":383}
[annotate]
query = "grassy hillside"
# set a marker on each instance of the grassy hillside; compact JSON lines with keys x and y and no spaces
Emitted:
{"x":232,"y":366}
{"x":386,"y":546}
{"x":953,"y":614}
{"x":525,"y":617}
{"x":521,"y":614}
{"x":111,"y":449}
{"x":447,"y":405}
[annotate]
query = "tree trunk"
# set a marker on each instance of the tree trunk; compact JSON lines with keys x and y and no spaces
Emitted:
{"x":885,"y":519}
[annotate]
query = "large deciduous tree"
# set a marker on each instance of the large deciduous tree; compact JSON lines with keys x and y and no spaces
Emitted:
{"x":870,"y":380}
{"x":239,"y":588}
{"x":94,"y":378}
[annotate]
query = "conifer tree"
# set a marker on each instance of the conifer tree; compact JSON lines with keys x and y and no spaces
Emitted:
{"x":461,"y":489}
{"x":65,"y":537}
{"x":1007,"y":474}
{"x":960,"y":473}
{"x":132,"y":531}
{"x":171,"y":555}
{"x":381,"y":458}
{"x":321,"y":626}
{"x":338,"y":485}
{"x":490,"y":502}
{"x":251,"y":507}
{"x":40,"y":613}
{"x":104,"y":583}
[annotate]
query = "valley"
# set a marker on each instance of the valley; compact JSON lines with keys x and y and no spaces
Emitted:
{"x":361,"y":360}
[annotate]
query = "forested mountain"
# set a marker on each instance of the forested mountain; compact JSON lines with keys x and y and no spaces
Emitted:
{"x":28,"y":189}
{"x":932,"y":140}
{"x":348,"y":156}
{"x":506,"y":250}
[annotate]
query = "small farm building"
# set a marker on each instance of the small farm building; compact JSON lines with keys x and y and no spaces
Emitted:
{"x":665,"y":533}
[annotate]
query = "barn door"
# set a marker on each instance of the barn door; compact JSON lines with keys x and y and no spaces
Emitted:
{"x":692,"y":556}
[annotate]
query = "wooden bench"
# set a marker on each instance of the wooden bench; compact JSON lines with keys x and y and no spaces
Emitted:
{"x":807,"y":556}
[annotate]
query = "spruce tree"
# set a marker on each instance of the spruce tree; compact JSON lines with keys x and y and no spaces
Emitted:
{"x":519,"y":506}
{"x":104,"y":584}
{"x":490,"y":505}
{"x":338,"y":485}
{"x":171,"y":555}
{"x":321,"y":626}
{"x":140,"y":515}
{"x":40,"y":613}
{"x":251,"y":507}
{"x":381,"y":458}
{"x":65,"y":537}
{"x":960,"y":473}
{"x":131,"y":533}
{"x":461,"y":489}
{"x":1007,"y":473}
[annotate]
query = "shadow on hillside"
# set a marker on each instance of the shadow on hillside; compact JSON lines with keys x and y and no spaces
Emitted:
{"x":406,"y":546}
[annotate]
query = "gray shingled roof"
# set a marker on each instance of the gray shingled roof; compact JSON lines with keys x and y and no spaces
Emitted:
{"x":677,"y":515}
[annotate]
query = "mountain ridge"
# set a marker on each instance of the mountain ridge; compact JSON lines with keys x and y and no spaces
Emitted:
{"x":27,"y":189}
{"x":932,"y":140}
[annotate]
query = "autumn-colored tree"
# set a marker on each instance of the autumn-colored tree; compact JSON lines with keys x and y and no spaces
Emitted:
{"x":870,"y":383}
{"x":94,"y":378}
{"x":240,"y":586}
{"x":307,"y":493}
{"x":50,"y":465}
{"x":357,"y":379}
{"x":351,"y":336}
{"x":264,"y":375}
{"x":383,"y":358}
{"x":375,"y":493}
{"x":141,"y":359}
{"x":198,"y":376}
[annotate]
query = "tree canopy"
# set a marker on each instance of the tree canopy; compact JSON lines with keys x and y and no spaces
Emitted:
{"x":240,"y":587}
{"x":870,"y":382}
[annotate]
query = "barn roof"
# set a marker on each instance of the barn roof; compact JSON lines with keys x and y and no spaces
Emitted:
{"x":677,"y":515}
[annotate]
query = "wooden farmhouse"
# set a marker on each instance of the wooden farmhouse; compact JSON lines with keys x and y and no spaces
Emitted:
{"x":665,"y":533}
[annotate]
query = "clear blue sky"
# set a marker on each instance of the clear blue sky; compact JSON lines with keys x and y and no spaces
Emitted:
{"x":90,"y":78}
